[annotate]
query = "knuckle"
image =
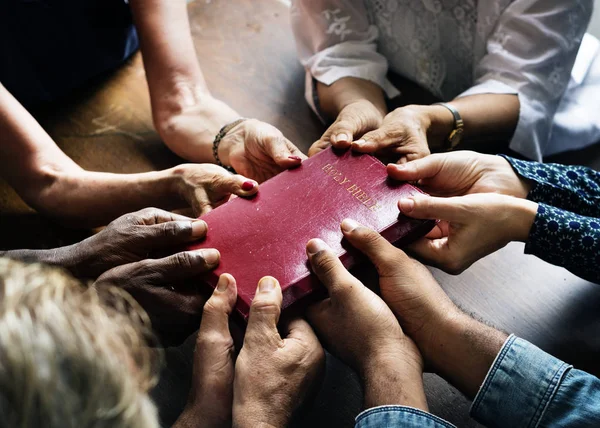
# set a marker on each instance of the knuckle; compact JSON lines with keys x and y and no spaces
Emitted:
{"x":213,"y":307}
{"x":173,"y":228}
{"x":266,"y":307}
{"x":182,"y":261}
{"x":212,"y":339}
{"x":324,"y":262}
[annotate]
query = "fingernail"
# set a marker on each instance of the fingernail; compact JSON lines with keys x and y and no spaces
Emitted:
{"x":211,"y":256}
{"x":248,"y":185}
{"x":266,"y":284}
{"x":407,"y":205}
{"x":315,"y":245}
{"x":296,"y":158}
{"x":223,"y":283}
{"x":341,"y":137}
{"x":348,"y":225}
{"x":359,"y":142}
{"x":396,"y":165}
{"x":198,"y":228}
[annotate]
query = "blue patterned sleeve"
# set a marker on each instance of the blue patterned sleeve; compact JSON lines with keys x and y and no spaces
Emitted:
{"x":573,"y":188}
{"x":566,"y":239}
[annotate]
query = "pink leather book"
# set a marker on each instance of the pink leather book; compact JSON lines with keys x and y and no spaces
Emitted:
{"x":267,"y":234}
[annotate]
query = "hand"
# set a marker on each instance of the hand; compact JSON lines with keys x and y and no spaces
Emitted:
{"x":211,"y":395}
{"x":206,"y":186}
{"x":258,"y":150}
{"x":358,"y":327}
{"x":159,"y":285}
{"x":131,"y":238}
{"x":402,"y":135}
{"x":462,"y":173}
{"x":453,"y":344}
{"x":352,"y":122}
{"x":273,"y":375}
{"x":406,"y":285}
{"x":472,"y":227}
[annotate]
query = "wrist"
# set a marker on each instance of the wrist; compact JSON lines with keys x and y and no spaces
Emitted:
{"x":462,"y":350}
{"x":440,"y":124}
{"x":259,"y":416}
{"x":394,"y":378}
{"x":521,"y":218}
{"x":234,"y":139}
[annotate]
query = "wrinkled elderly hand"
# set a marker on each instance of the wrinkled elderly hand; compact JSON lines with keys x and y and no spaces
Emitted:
{"x":402,"y":135}
{"x":211,"y":395}
{"x":167,"y":289}
{"x":131,"y":238}
{"x":273,"y":373}
{"x":461,"y":173}
{"x":472,"y":227}
{"x":258,"y":150}
{"x":206,"y":186}
{"x":353,"y":122}
{"x":357,"y":326}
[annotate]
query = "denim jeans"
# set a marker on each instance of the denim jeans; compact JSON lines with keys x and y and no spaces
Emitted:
{"x":525,"y":387}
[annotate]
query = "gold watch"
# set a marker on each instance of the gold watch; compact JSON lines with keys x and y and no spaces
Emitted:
{"x":456,"y":135}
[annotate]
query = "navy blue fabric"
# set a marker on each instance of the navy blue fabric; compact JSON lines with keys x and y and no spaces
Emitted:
{"x":566,"y":230}
{"x":50,"y":47}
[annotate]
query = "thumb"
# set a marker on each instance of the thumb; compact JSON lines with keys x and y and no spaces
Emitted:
{"x":264,"y":311}
{"x":425,"y":167}
{"x":382,"y":254}
{"x":215,"y":317}
{"x":429,"y":207}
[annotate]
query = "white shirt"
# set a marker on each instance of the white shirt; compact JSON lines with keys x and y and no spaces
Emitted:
{"x":456,"y":48}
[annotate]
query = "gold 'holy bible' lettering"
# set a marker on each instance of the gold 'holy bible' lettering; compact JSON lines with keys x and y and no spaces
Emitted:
{"x":352,"y":188}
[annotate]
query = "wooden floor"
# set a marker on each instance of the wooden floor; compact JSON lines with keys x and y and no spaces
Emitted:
{"x":247,"y":52}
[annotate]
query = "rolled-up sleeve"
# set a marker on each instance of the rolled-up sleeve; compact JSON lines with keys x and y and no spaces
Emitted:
{"x":335,"y":39}
{"x":527,"y":387}
{"x":399,"y":416}
{"x":531,"y":54}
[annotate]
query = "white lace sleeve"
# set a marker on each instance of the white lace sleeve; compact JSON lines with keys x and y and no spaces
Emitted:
{"x":531,"y":53}
{"x":335,"y":39}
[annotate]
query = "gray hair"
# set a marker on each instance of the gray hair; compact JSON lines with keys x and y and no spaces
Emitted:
{"x":71,"y":356}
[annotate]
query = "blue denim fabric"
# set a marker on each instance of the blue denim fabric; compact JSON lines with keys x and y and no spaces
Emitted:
{"x":50,"y":47}
{"x":526,"y":387}
{"x":399,"y":416}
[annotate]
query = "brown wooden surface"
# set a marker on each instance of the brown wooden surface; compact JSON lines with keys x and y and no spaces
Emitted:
{"x":247,"y":52}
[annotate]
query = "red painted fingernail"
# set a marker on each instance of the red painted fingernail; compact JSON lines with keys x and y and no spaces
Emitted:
{"x":248,"y":185}
{"x":296,"y":158}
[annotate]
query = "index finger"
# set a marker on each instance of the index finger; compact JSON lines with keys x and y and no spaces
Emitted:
{"x":152,"y":216}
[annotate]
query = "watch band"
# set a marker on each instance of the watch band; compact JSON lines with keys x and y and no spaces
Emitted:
{"x":455,"y":136}
{"x":224,"y":130}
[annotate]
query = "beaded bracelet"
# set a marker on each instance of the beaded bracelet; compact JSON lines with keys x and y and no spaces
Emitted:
{"x":224,"y":130}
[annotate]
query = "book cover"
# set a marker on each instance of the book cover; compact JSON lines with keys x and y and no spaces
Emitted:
{"x":267,"y":234}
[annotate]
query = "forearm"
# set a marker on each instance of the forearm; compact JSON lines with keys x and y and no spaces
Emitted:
{"x":175,"y":79}
{"x":333,"y":98}
{"x":462,"y":350}
{"x":485,"y":116}
{"x":62,"y":256}
{"x":90,"y":199}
